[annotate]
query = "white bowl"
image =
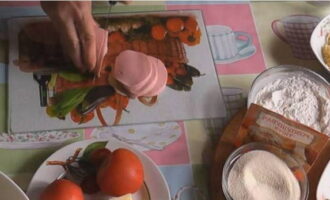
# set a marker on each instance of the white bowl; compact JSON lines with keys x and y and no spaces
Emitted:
{"x":318,"y":39}
{"x":9,"y":190}
{"x":282,"y":72}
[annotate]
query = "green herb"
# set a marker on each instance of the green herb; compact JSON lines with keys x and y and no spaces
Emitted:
{"x":92,"y":147}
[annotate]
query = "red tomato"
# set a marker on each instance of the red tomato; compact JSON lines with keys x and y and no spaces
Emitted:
{"x":89,"y":185}
{"x":62,"y":189}
{"x":98,"y":156}
{"x":121,"y":173}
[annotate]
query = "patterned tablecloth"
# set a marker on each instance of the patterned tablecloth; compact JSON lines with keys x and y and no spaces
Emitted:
{"x":183,"y":149}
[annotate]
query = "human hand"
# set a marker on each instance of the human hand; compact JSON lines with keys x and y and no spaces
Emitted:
{"x":76,"y":26}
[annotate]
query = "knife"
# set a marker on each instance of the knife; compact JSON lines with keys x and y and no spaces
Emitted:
{"x":111,"y":4}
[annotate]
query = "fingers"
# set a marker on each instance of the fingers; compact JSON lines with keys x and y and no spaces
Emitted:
{"x":85,"y":28}
{"x":75,"y":24}
{"x":71,"y":44}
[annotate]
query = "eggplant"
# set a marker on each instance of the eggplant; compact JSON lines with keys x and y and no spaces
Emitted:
{"x":95,"y":96}
{"x":192,"y":71}
{"x":176,"y":87}
{"x":184,"y":80}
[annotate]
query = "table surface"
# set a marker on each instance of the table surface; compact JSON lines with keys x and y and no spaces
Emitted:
{"x":185,"y":160}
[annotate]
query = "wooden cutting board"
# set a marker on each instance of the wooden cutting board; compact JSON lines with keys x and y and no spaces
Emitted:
{"x":222,"y":151}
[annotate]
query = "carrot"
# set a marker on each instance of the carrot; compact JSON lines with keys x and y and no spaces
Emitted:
{"x":191,"y":24}
{"x":116,"y":36}
{"x":158,"y":32}
{"x":174,"y":35}
{"x":298,"y":174}
{"x":119,"y":109}
{"x":100,"y":116}
{"x":145,"y":101}
{"x":174,"y":24}
{"x":190,"y":38}
{"x":181,"y":71}
{"x":170,"y":80}
{"x":171,"y":70}
{"x":78,"y":118}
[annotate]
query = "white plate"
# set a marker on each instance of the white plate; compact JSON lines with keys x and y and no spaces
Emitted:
{"x":318,"y":39}
{"x":323,"y":189}
{"x":155,"y":184}
{"x":9,"y":190}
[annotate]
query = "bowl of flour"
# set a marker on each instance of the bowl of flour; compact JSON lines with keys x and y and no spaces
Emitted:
{"x":296,"y":93}
{"x":257,"y":171}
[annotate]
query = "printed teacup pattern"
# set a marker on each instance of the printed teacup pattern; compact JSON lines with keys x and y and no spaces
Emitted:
{"x":229,"y":46}
{"x":296,"y":31}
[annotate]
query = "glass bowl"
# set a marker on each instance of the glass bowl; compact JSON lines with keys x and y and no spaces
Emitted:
{"x":291,"y":163}
{"x":283,"y":71}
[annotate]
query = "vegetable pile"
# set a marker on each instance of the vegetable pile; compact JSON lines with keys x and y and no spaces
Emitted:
{"x":98,"y":170}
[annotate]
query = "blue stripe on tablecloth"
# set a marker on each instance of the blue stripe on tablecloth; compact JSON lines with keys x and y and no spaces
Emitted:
{"x":3,"y":72}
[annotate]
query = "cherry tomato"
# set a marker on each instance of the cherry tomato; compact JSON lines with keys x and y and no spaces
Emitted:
{"x":62,"y":189}
{"x":121,"y":173}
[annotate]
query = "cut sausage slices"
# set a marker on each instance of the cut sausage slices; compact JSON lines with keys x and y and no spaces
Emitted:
{"x":131,"y":68}
{"x":101,"y":48}
{"x":140,"y":74}
{"x":161,"y":78}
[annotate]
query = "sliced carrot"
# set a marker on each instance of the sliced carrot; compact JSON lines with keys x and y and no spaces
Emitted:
{"x":158,"y":32}
{"x":100,"y":116}
{"x":170,"y":80}
{"x":191,"y":24}
{"x":118,"y":116}
{"x":181,"y":71}
{"x":174,"y":24}
{"x":78,"y":118}
{"x":174,"y":35}
{"x":119,"y":109}
{"x":190,"y":38}
{"x":147,"y":102}
{"x":116,"y":36}
{"x":171,"y":70}
{"x":299,"y":174}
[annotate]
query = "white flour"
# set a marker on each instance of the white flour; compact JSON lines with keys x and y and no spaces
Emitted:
{"x":251,"y":178}
{"x":300,"y":99}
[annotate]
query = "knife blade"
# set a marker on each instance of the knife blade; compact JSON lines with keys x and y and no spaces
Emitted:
{"x":111,"y":4}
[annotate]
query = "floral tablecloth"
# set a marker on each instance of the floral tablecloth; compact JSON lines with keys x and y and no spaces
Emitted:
{"x":182,"y":150}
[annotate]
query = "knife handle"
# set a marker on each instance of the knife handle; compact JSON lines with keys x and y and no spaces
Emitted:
{"x":112,"y":3}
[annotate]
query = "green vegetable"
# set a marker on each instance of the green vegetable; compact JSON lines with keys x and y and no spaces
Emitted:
{"x":68,"y":100}
{"x":52,"y":81}
{"x":92,"y":147}
{"x":73,"y":76}
{"x":192,"y":71}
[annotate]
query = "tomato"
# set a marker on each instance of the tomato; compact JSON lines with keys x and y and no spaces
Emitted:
{"x":89,"y":185}
{"x":121,"y":173}
{"x":62,"y":189}
{"x":99,"y":155}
